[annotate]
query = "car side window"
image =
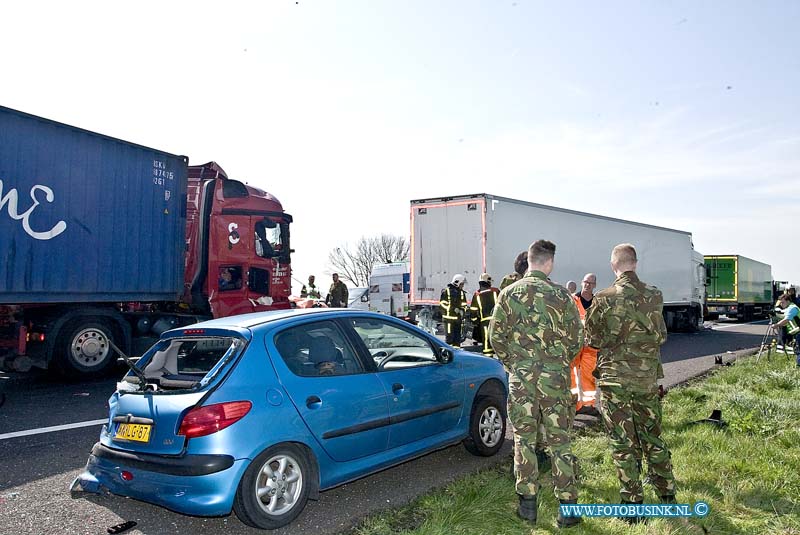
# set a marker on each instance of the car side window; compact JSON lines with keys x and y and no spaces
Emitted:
{"x":230,"y":278}
{"x":393,"y":347}
{"x":317,"y":350}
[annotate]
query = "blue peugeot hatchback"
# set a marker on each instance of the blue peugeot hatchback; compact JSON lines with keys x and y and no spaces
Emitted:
{"x":258,"y":413}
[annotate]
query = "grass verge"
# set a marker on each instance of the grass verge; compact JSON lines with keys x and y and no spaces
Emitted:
{"x":748,"y":472}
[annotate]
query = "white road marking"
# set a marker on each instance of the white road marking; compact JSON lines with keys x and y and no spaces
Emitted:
{"x":718,"y":326}
{"x":51,"y":429}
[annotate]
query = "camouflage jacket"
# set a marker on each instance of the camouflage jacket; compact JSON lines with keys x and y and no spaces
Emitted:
{"x":535,"y":326}
{"x":626,"y":327}
{"x":508,"y":280}
{"x":337,"y":295}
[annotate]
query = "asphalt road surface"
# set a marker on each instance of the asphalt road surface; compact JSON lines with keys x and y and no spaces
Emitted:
{"x":36,"y":469}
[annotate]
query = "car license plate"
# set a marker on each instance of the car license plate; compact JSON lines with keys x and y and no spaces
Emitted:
{"x":134,"y":432}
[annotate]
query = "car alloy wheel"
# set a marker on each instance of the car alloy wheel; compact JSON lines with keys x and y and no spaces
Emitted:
{"x":275,"y":487}
{"x":491,"y":426}
{"x":279,"y":484}
{"x":487,"y":427}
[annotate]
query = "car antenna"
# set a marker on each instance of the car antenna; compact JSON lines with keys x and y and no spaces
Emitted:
{"x":136,"y":371}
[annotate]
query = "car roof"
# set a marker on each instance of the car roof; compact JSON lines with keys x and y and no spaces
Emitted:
{"x":248,"y":321}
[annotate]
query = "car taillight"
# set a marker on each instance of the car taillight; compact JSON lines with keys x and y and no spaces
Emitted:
{"x":202,"y":421}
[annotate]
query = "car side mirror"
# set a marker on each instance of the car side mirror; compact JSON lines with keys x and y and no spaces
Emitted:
{"x":444,"y":355}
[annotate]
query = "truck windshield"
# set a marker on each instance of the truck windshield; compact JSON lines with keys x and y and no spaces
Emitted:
{"x":269,"y":238}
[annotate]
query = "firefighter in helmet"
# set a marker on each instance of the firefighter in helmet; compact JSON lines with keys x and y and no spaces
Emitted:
{"x":453,"y":304}
{"x":481,"y":309}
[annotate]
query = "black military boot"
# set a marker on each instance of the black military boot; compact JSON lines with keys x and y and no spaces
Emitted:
{"x":527,"y":508}
{"x":633,"y":519}
{"x":668,"y":498}
{"x":567,"y":521}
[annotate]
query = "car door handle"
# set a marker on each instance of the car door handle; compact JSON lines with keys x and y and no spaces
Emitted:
{"x":397,"y":388}
{"x":313,"y":402}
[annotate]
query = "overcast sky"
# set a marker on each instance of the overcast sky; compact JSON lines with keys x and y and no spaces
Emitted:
{"x":677,"y":114}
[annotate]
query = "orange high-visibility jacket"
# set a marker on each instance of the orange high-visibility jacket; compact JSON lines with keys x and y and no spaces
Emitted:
{"x":582,"y":368}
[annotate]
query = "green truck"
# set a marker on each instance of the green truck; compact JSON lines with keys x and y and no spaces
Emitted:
{"x":738,"y":287}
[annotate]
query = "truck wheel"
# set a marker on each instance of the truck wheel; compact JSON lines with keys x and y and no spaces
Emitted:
{"x":83,"y":347}
{"x":693,"y":321}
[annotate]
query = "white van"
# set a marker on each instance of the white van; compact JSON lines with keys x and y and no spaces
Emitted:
{"x":388,"y":289}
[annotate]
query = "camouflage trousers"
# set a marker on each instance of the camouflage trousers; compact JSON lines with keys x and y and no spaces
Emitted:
{"x":633,"y":422}
{"x":542,"y":402}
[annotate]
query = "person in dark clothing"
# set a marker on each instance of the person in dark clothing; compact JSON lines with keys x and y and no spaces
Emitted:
{"x":338,"y":293}
{"x":453,"y":304}
{"x":481,"y":308}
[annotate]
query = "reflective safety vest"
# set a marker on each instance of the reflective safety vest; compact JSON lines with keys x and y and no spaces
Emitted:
{"x":482,"y":305}
{"x":313,"y":291}
{"x":791,"y":326}
{"x":453,"y":303}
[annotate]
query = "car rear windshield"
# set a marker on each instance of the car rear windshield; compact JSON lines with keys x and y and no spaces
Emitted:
{"x":185,"y":363}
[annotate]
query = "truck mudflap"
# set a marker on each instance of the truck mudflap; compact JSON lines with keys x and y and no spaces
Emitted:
{"x":14,"y":348}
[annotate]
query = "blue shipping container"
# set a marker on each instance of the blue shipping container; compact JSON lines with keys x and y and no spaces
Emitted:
{"x":85,"y":217}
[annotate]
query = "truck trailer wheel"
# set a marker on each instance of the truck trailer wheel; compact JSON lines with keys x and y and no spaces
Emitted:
{"x":83,"y":348}
{"x":693,"y":323}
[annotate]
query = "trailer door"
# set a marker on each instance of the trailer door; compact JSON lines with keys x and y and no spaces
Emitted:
{"x":721,"y":278}
{"x":447,"y":238}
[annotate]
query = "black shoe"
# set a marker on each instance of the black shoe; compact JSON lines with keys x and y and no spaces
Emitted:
{"x":633,"y":519}
{"x":567,"y":521}
{"x":588,"y":410}
{"x":668,"y":498}
{"x":527,"y":508}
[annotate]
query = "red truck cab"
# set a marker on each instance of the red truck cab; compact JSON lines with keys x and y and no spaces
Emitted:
{"x":237,"y":246}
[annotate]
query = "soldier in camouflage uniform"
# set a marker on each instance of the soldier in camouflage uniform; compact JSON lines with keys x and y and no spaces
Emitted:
{"x":536,"y":331}
{"x":520,"y":267}
{"x":338,"y":293}
{"x":626,"y":327}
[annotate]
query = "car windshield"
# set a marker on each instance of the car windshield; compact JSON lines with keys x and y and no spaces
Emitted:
{"x":184,"y":363}
{"x":377,"y":334}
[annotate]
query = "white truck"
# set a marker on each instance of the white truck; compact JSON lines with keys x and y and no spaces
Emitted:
{"x":388,"y":289}
{"x":482,"y":233}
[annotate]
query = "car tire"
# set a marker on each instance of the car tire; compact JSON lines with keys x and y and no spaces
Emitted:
{"x":487,"y":427}
{"x":83,"y":347}
{"x":275,"y":487}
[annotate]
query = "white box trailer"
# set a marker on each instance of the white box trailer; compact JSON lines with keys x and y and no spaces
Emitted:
{"x":473,"y":234}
